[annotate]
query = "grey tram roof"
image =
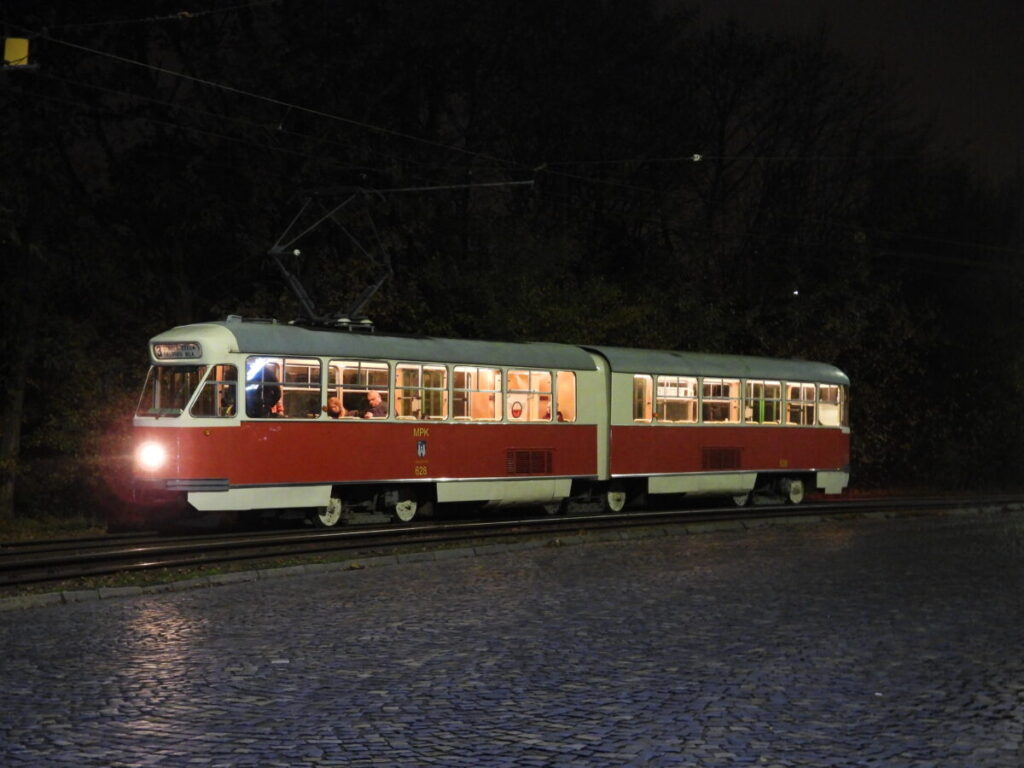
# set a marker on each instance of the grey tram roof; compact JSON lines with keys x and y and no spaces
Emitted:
{"x":263,"y":337}
{"x":276,"y":338}
{"x":626,"y":360}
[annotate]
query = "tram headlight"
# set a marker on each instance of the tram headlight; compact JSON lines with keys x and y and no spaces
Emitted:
{"x":150,"y":456}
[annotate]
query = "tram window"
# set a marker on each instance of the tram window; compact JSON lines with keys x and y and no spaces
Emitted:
{"x":421,"y":391}
{"x":677,"y":399}
{"x":476,"y":393}
{"x":217,"y":398}
{"x":262,"y":387}
{"x":352,"y":381}
{"x":566,"y":393}
{"x":168,"y":389}
{"x":799,"y":404}
{"x":642,"y":402}
{"x":300,"y":394}
{"x":763,"y":402}
{"x":720,"y":400}
{"x":277,"y":387}
{"x":529,"y":396}
{"x":831,"y":410}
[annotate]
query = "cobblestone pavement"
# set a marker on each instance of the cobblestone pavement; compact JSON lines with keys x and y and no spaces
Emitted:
{"x":872,"y":643}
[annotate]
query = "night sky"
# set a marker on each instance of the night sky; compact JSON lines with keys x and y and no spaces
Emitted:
{"x":960,"y":61}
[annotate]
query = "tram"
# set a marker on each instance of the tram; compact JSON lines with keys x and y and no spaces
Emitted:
{"x":261,"y":417}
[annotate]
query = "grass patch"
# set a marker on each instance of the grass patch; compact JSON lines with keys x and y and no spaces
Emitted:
{"x":43,"y":527}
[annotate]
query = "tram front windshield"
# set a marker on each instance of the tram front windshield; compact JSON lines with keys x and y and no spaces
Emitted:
{"x":168,"y":389}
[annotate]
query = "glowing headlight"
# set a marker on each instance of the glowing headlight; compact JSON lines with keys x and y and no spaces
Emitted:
{"x":150,"y":456}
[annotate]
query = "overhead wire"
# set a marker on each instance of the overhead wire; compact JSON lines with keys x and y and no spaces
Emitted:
{"x":700,"y":157}
{"x":242,"y":122}
{"x":508,"y":164}
{"x":179,"y":16}
{"x":192,"y":129}
{"x":271,"y":100}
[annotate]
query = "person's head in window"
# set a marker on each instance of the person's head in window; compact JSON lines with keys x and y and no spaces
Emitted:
{"x":333,"y":407}
{"x":373,"y":406}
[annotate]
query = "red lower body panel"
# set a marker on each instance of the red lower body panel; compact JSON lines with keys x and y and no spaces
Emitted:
{"x":658,"y":449}
{"x":266,"y":452}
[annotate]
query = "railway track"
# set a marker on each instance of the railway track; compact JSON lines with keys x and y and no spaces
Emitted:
{"x":34,"y":563}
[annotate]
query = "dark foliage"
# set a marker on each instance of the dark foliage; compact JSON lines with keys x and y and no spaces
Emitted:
{"x":707,"y":189}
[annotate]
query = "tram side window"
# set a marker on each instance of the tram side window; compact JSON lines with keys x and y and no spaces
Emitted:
{"x":566,"y":393}
{"x":763,"y":403}
{"x":677,"y":399}
{"x":831,"y":405}
{"x":642,"y":401}
{"x":799,"y":404}
{"x":529,"y":396}
{"x":217,"y":398}
{"x":476,"y":393}
{"x":421,"y":391}
{"x":720,"y":400}
{"x":300,"y":395}
{"x":278,"y":387}
{"x":262,"y":387}
{"x":354,"y":382}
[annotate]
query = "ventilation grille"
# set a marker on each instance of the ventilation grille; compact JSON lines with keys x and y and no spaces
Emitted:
{"x":721,"y":458}
{"x":528,"y":462}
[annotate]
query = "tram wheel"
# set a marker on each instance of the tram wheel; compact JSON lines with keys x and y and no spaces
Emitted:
{"x":405,"y":511}
{"x":792,"y":490}
{"x":614,"y":498}
{"x":742,"y":499}
{"x":329,"y":516}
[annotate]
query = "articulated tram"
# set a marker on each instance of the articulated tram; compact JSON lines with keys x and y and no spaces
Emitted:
{"x":263,"y":417}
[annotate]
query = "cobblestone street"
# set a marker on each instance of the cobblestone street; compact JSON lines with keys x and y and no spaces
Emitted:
{"x":866,"y":643}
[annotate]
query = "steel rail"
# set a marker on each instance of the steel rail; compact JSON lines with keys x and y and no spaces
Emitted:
{"x":19,"y":567}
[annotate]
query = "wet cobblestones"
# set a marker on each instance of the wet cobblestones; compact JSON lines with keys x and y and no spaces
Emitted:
{"x":892,"y":643}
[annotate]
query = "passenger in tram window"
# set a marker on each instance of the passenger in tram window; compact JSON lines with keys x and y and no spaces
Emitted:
{"x":545,"y":409}
{"x":271,"y":391}
{"x":227,"y":400}
{"x":333,"y":407}
{"x":263,"y":396}
{"x":372,"y":407}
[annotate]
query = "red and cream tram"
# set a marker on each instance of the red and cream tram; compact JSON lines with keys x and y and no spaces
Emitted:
{"x":254,"y":415}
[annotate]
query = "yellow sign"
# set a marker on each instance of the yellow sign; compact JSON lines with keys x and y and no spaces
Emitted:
{"x":16,"y":52}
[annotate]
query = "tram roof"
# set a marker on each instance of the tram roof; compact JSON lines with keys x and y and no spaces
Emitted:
{"x":626,"y":360}
{"x":272,"y":338}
